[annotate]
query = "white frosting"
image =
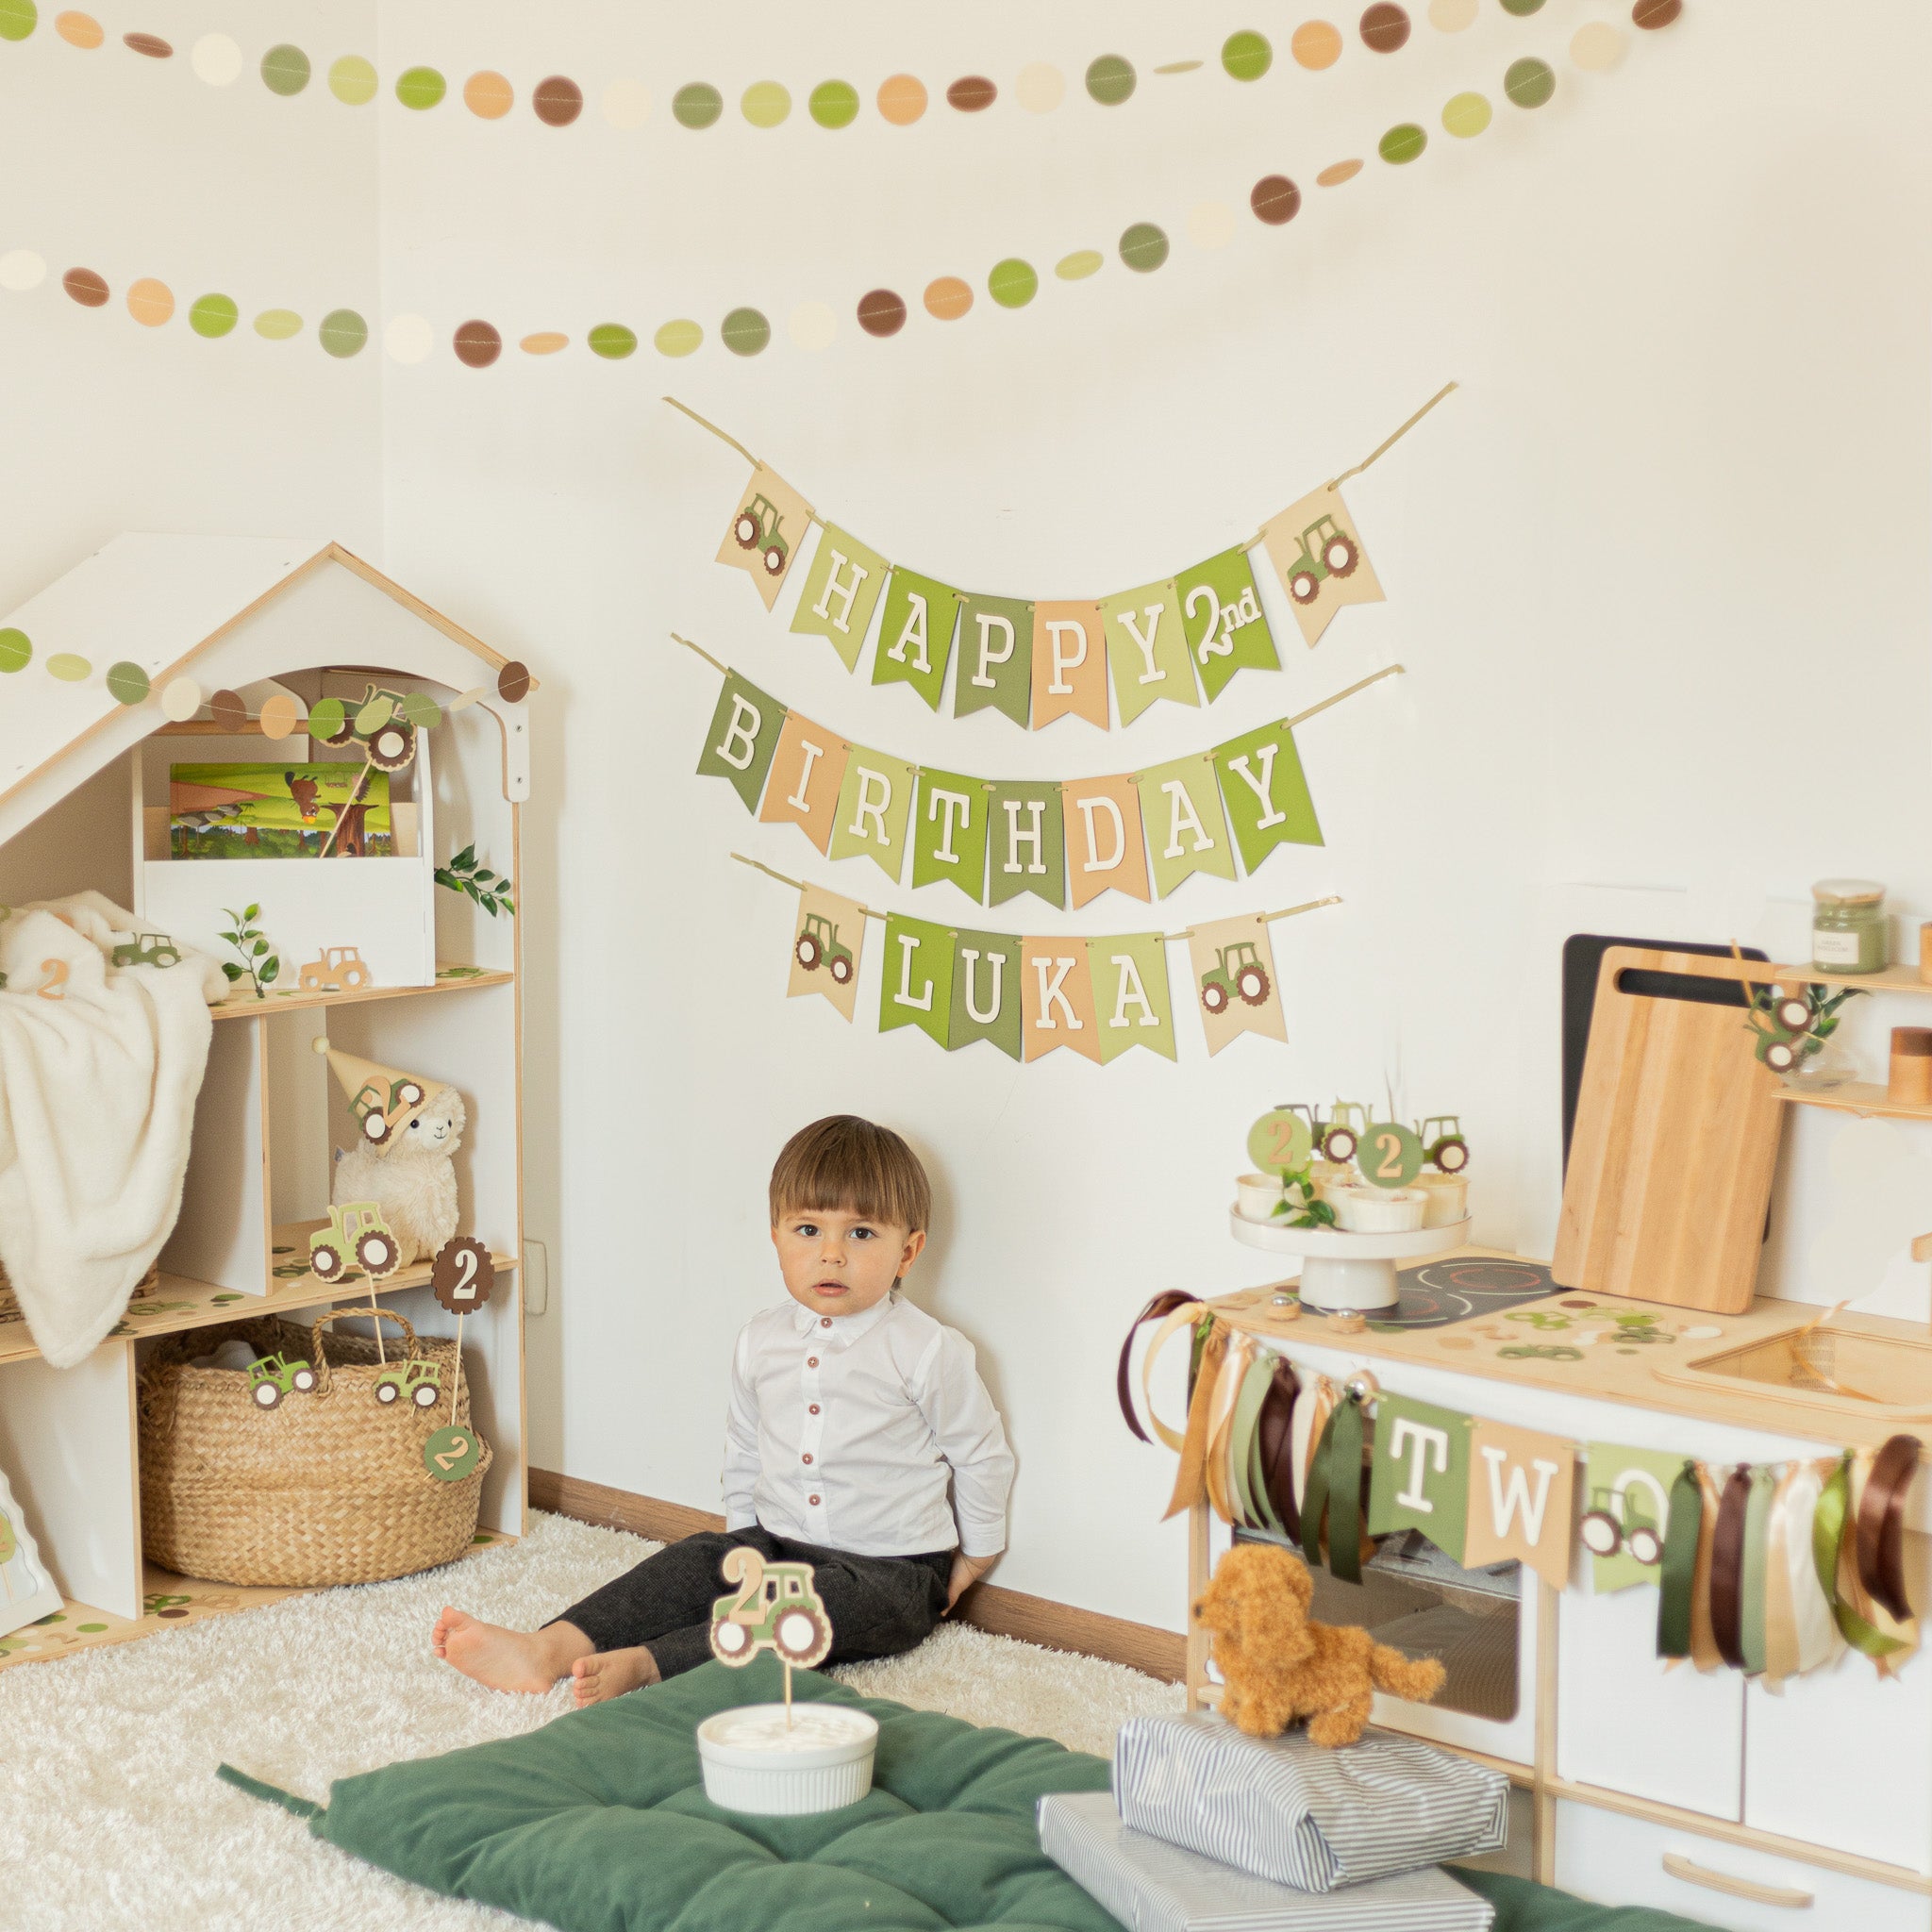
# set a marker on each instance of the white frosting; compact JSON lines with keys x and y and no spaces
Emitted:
{"x":814,"y":1728}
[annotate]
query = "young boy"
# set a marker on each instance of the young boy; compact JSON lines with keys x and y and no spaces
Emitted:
{"x":850,"y":1411}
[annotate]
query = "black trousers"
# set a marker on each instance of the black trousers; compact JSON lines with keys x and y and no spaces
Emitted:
{"x":879,"y":1606}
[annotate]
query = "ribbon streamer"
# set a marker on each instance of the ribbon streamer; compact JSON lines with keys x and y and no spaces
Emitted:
{"x":1679,"y":1566}
{"x":1162,"y":1304}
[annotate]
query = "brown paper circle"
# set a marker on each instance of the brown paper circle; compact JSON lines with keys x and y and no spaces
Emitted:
{"x":477,"y":345}
{"x":559,"y":101}
{"x":881,"y":312}
{"x":1652,"y":14}
{"x":513,"y":682}
{"x":151,"y":44}
{"x":1274,"y":199}
{"x":1385,"y":27}
{"x":228,"y":711}
{"x":971,"y":93}
{"x":87,"y":288}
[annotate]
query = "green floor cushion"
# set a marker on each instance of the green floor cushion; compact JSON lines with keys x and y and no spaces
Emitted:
{"x":598,"y":1823}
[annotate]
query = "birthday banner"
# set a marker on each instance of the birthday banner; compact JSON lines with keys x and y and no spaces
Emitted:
{"x":1138,"y":833}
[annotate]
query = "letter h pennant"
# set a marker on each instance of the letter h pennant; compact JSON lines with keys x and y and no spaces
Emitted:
{"x":842,"y":591}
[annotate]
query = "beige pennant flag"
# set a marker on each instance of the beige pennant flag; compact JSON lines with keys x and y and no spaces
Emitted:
{"x":765,"y":531}
{"x":827,"y":942}
{"x":1317,"y":552}
{"x":1106,"y":849}
{"x":1233,"y":980}
{"x":807,"y":770}
{"x":1521,"y":1496}
{"x":1068,"y":664}
{"x":1057,"y":998}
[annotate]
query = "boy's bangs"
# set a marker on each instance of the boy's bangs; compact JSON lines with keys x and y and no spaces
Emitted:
{"x":848,"y":1165}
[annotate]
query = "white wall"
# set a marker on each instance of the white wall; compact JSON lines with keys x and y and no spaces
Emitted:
{"x":1658,"y":572}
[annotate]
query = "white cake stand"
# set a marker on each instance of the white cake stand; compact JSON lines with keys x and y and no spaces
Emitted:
{"x":1340,"y":1270}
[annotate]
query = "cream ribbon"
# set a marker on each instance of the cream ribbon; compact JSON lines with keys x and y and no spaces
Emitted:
{"x":1311,"y":1415}
{"x":1183,"y":1317}
{"x":1228,"y":1383}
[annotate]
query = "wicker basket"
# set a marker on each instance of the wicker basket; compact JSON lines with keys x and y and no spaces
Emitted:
{"x":329,"y":1486}
{"x":9,"y":1302}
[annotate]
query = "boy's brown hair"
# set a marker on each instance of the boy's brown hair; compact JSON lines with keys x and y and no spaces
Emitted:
{"x":845,"y":1162}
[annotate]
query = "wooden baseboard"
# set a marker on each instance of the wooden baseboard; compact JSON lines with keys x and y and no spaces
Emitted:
{"x":987,"y":1607}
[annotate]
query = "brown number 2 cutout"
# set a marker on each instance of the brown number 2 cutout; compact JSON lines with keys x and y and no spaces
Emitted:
{"x":55,"y":985}
{"x":463,"y":1276}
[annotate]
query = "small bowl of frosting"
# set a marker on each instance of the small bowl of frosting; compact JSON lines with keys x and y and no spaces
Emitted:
{"x":754,"y":1762}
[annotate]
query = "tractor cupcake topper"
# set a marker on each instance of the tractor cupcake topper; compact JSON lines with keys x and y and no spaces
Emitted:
{"x":775,"y":1609}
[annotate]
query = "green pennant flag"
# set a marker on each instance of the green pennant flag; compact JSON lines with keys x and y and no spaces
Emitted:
{"x":1420,"y":1476}
{"x":842,"y":591}
{"x":1632,"y":1488}
{"x":949,"y":832}
{"x":916,"y":633}
{"x":986,"y":991}
{"x":1267,"y":796}
{"x":1026,"y":846}
{"x":1146,"y":650}
{"x":995,"y":658}
{"x":1186,"y":830}
{"x":916,"y":982}
{"x":1131,"y":1001}
{"x":744,"y":735}
{"x":1226,"y":628}
{"x":875,"y":803}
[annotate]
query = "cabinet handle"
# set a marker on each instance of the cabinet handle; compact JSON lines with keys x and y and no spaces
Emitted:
{"x":1788,"y":1895}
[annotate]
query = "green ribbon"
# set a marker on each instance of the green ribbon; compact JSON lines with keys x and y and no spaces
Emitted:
{"x":1335,"y":1489}
{"x":1315,"y":1492}
{"x":1256,"y":1471}
{"x":1679,"y":1567}
{"x":1829,"y":1527}
{"x":1751,"y":1586}
{"x":1243,"y":1431}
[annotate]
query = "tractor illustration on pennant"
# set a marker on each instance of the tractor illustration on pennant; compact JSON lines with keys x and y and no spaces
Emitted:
{"x":1239,"y":974}
{"x":1612,"y":1525}
{"x":340,"y":969}
{"x":275,"y":1376}
{"x":775,"y":1608}
{"x":818,"y":945}
{"x":419,"y":1382}
{"x":1328,"y":551}
{"x":759,"y":527}
{"x":355,"y":1232}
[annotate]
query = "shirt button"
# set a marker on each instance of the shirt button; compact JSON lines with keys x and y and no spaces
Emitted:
{"x":825,"y":1321}
{"x":813,"y":1501}
{"x":812,"y":1361}
{"x":807,"y":1456}
{"x":814,"y":1409}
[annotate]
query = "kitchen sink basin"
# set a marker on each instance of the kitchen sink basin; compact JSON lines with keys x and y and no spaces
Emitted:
{"x":1828,"y":1366}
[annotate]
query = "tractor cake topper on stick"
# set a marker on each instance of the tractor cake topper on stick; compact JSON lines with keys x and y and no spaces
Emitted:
{"x":775,"y":1608}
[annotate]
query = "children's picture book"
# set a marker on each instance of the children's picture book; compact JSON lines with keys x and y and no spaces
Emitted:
{"x":278,"y":811}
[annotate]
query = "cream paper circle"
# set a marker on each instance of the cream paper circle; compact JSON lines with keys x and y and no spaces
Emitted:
{"x":216,"y":59}
{"x":1597,"y":48}
{"x":626,"y":103}
{"x":1452,"y":16}
{"x":1210,"y":224}
{"x":409,"y":337}
{"x":180,"y":700}
{"x":813,"y":326}
{"x":21,"y":268}
{"x":1040,"y":88}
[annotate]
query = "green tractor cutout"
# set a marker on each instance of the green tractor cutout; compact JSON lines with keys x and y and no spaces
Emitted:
{"x":384,"y":721}
{"x":1613,"y":1523}
{"x":275,"y":1376}
{"x":775,"y":1609}
{"x":1348,"y":1121}
{"x":1443,"y":1146}
{"x":420,"y":1383}
{"x":1238,"y":975}
{"x":759,"y":527}
{"x":1328,"y":551}
{"x":355,"y":1232}
{"x":818,"y":944}
{"x":148,"y":949}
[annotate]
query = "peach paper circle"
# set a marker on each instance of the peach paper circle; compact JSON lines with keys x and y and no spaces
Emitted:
{"x":150,"y":303}
{"x":487,"y":96}
{"x":547,"y":343}
{"x":1334,"y":177}
{"x":1597,"y":47}
{"x":948,"y":298}
{"x":1316,"y":44}
{"x":79,"y":29}
{"x":902,"y":99}
{"x":277,"y":716}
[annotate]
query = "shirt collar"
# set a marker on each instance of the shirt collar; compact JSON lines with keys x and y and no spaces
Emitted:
{"x":841,"y":1329}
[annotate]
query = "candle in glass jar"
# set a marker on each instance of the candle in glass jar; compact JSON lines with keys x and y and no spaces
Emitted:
{"x":1848,"y":933}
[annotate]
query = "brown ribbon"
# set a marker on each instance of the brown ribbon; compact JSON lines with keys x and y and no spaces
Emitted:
{"x":1190,"y":1480}
{"x":1165,"y":1303}
{"x":1727,"y":1569}
{"x":1881,"y":1526}
{"x":1274,"y":1429}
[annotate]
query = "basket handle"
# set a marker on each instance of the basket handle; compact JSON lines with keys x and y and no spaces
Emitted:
{"x":353,"y":1308}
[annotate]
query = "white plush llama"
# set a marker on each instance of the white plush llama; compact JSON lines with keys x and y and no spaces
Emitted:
{"x":411,"y":1179}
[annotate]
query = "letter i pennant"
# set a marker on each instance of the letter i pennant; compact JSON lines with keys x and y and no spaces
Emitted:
{"x":1520,"y":1495}
{"x":1419,"y":1476}
{"x":1235,"y":984}
{"x":986,"y":991}
{"x":827,"y":944}
{"x":916,"y":986}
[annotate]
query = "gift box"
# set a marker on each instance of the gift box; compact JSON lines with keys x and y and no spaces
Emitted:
{"x":1290,"y":1812}
{"x":1150,"y":1886}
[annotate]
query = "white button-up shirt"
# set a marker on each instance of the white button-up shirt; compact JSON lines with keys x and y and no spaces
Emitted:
{"x":844,"y":1429}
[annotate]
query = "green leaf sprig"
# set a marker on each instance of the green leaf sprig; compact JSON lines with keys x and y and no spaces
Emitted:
{"x":489,"y":889}
{"x":262,"y":965}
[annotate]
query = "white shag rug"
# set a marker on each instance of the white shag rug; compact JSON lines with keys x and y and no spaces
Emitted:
{"x":111,"y":1816}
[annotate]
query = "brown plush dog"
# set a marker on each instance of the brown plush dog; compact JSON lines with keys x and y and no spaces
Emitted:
{"x":1279,"y":1666}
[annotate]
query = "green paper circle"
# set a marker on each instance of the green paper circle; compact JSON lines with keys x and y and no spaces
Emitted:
{"x":352,"y":80}
{"x":1466,"y":116}
{"x":1523,"y":9}
{"x":17,"y":18}
{"x":696,"y":105}
{"x":213,"y":316}
{"x":16,"y":652}
{"x":1077,"y":266}
{"x":1143,"y":247}
{"x":1111,"y":79}
{"x":1529,"y":83}
{"x":342,"y":332}
{"x":69,"y":667}
{"x":89,"y":1629}
{"x":284,"y":69}
{"x":765,"y":104}
{"x":835,"y":104}
{"x":1247,"y":55}
{"x":677,"y":338}
{"x":326,"y":718}
{"x":420,"y":710}
{"x":1280,"y":1139}
{"x":1012,"y":283}
{"x":420,"y":87}
{"x":745,"y":331}
{"x":126,"y":683}
{"x":452,"y":1452}
{"x":1402,"y":143}
{"x":1389,"y":1155}
{"x":277,"y":324}
{"x":612,"y":341}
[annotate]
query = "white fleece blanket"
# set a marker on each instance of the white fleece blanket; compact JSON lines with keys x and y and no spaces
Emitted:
{"x":97,"y":1093}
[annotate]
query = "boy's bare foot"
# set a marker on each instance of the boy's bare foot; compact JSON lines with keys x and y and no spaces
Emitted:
{"x":610,"y":1673}
{"x":507,"y":1659}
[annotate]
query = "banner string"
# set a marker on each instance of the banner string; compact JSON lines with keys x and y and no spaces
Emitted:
{"x":785,"y":878}
{"x":705,"y":423}
{"x":1388,"y":443}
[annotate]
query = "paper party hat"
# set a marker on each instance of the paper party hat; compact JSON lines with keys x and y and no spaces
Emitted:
{"x":382,"y":1100}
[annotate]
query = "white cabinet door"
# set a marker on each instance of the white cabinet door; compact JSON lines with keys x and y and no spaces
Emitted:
{"x":1626,"y":1723}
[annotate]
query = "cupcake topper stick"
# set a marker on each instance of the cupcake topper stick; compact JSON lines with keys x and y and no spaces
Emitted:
{"x":775,"y":1609}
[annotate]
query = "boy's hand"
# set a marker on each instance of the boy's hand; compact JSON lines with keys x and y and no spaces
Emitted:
{"x":967,"y":1571}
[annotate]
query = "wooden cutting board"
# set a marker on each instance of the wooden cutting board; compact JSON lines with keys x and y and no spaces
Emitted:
{"x":1675,"y":1141}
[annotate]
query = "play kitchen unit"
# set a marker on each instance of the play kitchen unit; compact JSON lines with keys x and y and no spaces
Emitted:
{"x":1718,"y":1793}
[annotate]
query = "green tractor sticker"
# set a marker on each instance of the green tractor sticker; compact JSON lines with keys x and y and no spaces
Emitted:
{"x":355,"y":1233}
{"x":420,"y":1383}
{"x":818,"y":945}
{"x":275,"y":1376}
{"x":1328,"y":551}
{"x":758,"y":526}
{"x":1238,"y":975}
{"x":148,"y":949}
{"x":775,"y":1608}
{"x":1443,"y":1146}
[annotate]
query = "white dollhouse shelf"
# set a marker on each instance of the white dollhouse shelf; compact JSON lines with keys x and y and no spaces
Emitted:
{"x":83,"y":781}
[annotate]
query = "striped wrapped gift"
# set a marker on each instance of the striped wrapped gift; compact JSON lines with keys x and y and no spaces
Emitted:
{"x":1285,"y":1810}
{"x":1150,"y":1886}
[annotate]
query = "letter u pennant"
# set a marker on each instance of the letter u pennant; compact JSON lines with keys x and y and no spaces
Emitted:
{"x":1521,"y":1488}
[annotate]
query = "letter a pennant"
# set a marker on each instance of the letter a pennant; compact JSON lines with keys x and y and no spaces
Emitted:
{"x":1318,"y":551}
{"x":1419,"y":1476}
{"x":916,"y":633}
{"x":765,"y":531}
{"x":842,"y":591}
{"x":916,"y":984}
{"x":827,"y":944}
{"x":1187,"y":829}
{"x":986,"y":991}
{"x":1132,"y":1006}
{"x":1520,"y":1495}
{"x":1234,"y":980}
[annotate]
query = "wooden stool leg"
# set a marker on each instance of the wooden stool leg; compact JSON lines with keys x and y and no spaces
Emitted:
{"x":1197,"y":1582}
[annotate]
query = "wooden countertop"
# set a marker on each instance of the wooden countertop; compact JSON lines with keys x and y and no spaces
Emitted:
{"x":1610,"y":1366}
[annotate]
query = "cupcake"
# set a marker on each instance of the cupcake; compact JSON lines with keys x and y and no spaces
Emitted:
{"x":1363,"y":1210}
{"x":1448,"y":1198}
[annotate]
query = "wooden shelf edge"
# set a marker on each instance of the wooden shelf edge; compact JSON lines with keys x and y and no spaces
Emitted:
{"x":450,"y":977}
{"x":1856,"y":1097}
{"x":1887,"y":980}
